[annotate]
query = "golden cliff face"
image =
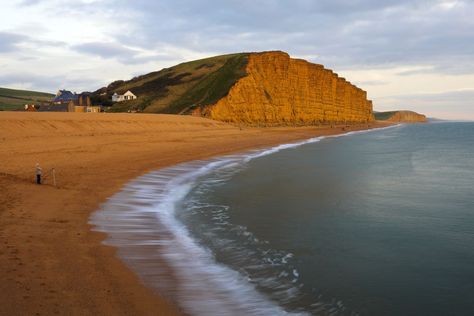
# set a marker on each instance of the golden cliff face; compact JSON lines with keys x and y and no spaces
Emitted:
{"x":279,"y":90}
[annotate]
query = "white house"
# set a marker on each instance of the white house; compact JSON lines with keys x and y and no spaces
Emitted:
{"x":123,"y":97}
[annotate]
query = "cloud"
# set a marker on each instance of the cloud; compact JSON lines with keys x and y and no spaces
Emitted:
{"x":461,"y":95}
{"x":341,"y":33}
{"x":457,"y":66}
{"x":9,"y":41}
{"x":105,"y":50}
{"x":14,"y":42}
{"x":29,"y":2}
{"x":371,"y":83}
{"x":125,"y":55}
{"x":46,"y":82}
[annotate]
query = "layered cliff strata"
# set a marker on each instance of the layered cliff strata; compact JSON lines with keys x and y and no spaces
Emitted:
{"x":280,"y":90}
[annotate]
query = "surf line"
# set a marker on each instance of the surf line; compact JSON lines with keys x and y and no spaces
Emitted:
{"x":140,"y":221}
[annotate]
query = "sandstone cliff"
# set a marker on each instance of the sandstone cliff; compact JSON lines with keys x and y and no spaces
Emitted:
{"x":401,"y":116}
{"x":268,"y":88}
{"x":281,"y":90}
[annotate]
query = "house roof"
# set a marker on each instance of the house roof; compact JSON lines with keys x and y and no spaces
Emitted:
{"x":64,"y":96}
{"x":129,"y":93}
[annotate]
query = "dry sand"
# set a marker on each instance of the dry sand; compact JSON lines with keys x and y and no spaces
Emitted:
{"x":51,"y":262}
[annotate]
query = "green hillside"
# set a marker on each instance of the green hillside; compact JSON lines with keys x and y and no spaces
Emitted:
{"x":382,"y":116}
{"x":12,"y":99}
{"x":177,"y":89}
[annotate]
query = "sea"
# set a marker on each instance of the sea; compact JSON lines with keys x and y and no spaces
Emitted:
{"x":377,"y":222}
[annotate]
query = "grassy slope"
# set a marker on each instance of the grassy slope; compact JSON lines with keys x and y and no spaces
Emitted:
{"x":12,"y":99}
{"x":180,"y":88}
{"x":382,"y":116}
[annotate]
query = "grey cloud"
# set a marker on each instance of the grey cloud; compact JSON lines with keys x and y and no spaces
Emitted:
{"x":43,"y":43}
{"x":29,"y":2}
{"x":116,"y":50}
{"x":104,"y":50}
{"x":464,"y":95}
{"x":8,"y":41}
{"x":458,"y":65}
{"x":27,"y":58}
{"x":342,"y":33}
{"x":416,"y":72}
{"x":45,"y":83}
{"x":371,"y":83}
{"x":27,"y":79}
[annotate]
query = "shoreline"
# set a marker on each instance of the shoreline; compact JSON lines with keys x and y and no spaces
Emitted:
{"x":52,"y":261}
{"x":140,"y":221}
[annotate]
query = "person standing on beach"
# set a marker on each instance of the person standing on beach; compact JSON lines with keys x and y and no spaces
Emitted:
{"x":39,"y":172}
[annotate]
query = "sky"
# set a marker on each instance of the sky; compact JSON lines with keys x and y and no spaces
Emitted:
{"x":416,"y":55}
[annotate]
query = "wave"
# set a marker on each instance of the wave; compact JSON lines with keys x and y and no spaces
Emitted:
{"x":141,"y":221}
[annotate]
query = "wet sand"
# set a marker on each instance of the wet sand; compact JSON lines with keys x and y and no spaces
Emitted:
{"x":51,"y":262}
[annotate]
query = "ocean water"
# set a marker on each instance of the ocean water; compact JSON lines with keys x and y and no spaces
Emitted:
{"x":370,"y":223}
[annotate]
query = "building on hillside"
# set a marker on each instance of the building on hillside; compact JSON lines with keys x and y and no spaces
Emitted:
{"x":64,"y":97}
{"x":83,"y":104}
{"x":123,"y":97}
{"x":66,"y":101}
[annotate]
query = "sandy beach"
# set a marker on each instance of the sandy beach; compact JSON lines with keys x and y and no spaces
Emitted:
{"x":52,"y":263}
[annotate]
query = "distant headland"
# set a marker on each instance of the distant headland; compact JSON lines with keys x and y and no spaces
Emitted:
{"x":401,"y":116}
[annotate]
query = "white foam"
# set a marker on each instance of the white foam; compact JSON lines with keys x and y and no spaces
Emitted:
{"x":141,"y":222}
